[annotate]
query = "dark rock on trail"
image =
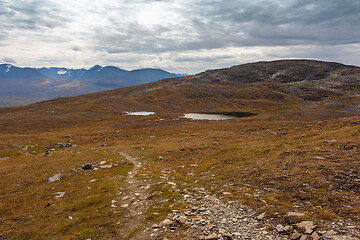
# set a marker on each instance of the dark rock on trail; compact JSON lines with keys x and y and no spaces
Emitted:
{"x":87,"y":166}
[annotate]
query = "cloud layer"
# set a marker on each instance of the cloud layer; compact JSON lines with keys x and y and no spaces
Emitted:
{"x":182,"y":36}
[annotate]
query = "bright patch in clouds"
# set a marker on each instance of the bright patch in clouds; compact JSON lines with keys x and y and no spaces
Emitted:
{"x":179,"y":36}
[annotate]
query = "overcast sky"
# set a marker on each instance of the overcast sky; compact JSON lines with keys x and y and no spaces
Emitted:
{"x":184,"y":36}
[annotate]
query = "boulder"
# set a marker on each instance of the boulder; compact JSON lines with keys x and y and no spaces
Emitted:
{"x":54,"y":178}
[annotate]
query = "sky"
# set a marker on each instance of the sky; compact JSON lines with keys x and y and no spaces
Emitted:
{"x":182,"y":36}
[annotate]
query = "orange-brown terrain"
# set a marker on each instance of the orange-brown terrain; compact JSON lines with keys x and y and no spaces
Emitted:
{"x":288,"y":170}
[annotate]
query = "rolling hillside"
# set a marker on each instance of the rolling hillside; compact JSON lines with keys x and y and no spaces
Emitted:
{"x":82,"y":168}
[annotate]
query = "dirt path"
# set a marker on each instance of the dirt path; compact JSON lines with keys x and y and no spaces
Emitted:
{"x":132,"y":202}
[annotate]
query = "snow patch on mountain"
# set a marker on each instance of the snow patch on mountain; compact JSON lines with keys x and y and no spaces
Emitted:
{"x":8,"y":68}
{"x":61,"y":72}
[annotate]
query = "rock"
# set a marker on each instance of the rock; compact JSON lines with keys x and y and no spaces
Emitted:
{"x":287,"y":228}
{"x":261,"y":216}
{"x":125,"y":205}
{"x":106,"y":166}
{"x":69,"y":217}
{"x":166,"y":222}
{"x":295,"y":214}
{"x":279,"y":228}
{"x":333,"y":235}
{"x":87,"y":166}
{"x":47,"y":153}
{"x":226,"y":236}
{"x":303,"y":237}
{"x":155,"y":225}
{"x":194,"y":208}
{"x":329,"y":233}
{"x":54,"y":178}
{"x":161,"y":158}
{"x":63,"y":145}
{"x":315,"y":236}
{"x":182,"y":219}
{"x":226,"y":193}
{"x":308,"y":226}
{"x":295,"y":235}
{"x":59,"y":195}
{"x":102,"y":162}
{"x":211,"y":237}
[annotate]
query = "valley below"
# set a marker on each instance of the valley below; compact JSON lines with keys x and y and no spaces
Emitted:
{"x":283,"y":163}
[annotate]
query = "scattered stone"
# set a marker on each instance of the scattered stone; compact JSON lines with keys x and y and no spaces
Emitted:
{"x":227,"y":236}
{"x":261,"y":216}
{"x":125,"y":205}
{"x":308,"y":226}
{"x":69,"y":217}
{"x":59,"y":195}
{"x":155,"y":225}
{"x":279,"y":228}
{"x":295,"y":214}
{"x":54,"y":178}
{"x":87,"y":166}
{"x":295,"y":235}
{"x":226,"y":193}
{"x":92,"y":180}
{"x":102,"y":162}
{"x":303,"y":237}
{"x":182,"y":219}
{"x":63,"y":145}
{"x":315,"y":236}
{"x":166,"y":222}
{"x":47,"y":153}
{"x":106,"y":166}
{"x":211,"y":237}
{"x":287,"y":228}
{"x":161,"y":158}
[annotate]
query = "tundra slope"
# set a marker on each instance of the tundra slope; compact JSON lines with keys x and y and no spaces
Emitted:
{"x":306,"y":89}
{"x":274,"y":163}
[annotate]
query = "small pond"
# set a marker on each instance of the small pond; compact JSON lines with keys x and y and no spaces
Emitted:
{"x":216,"y":116}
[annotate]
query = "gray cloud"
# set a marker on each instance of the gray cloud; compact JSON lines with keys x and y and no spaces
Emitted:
{"x":8,"y":60}
{"x":218,"y":24}
{"x":29,"y":15}
{"x":153,"y":31}
{"x":202,"y":59}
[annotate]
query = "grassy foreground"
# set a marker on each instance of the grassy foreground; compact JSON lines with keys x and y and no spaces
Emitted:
{"x":273,"y":166}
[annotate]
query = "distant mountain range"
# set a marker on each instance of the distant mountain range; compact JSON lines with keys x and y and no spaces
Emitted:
{"x":19,"y":86}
